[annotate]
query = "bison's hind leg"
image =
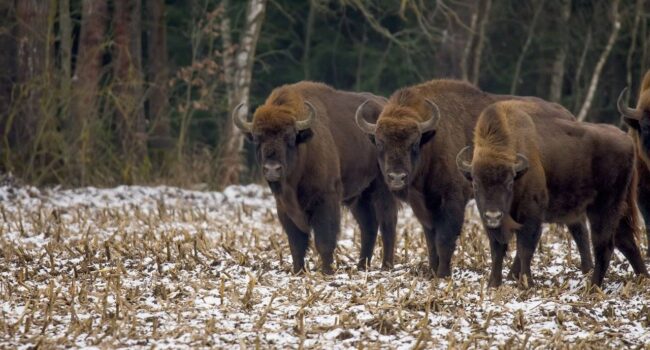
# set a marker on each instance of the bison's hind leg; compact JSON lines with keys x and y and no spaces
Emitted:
{"x":298,"y":242}
{"x":644,"y":206}
{"x":580,"y":235}
{"x":326,"y":222}
{"x":626,"y":243}
{"x":603,"y":227}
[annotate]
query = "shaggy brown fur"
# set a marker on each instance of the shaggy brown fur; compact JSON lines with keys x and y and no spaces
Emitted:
{"x":640,"y":132}
{"x":574,"y":169}
{"x":317,"y":169}
{"x":432,"y":185}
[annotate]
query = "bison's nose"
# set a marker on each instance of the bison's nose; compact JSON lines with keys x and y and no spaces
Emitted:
{"x":493,"y":218}
{"x":397,"y":179}
{"x":272,"y":171}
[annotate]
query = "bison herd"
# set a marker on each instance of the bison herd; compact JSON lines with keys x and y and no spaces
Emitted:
{"x":435,"y":146}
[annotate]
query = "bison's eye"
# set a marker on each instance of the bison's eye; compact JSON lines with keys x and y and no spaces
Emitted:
{"x":290,"y":140}
{"x":415,"y":148}
{"x":380,"y":146}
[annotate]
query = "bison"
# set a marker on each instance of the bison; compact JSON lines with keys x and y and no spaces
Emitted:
{"x":638,"y":119}
{"x":418,"y":134}
{"x":314,"y":158}
{"x":526,"y":170}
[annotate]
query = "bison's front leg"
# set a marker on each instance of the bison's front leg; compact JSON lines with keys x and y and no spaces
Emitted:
{"x":326,"y":222}
{"x":298,"y":242}
{"x":527,"y":239}
{"x":447,"y":234}
{"x":364,"y":214}
{"x":430,"y":236}
{"x":498,"y":251}
{"x":580,"y":235}
{"x":385,"y":206}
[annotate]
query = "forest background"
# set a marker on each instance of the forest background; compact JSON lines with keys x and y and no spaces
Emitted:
{"x":106,"y":92}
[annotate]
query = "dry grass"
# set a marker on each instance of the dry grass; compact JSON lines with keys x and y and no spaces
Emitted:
{"x":163,"y":267}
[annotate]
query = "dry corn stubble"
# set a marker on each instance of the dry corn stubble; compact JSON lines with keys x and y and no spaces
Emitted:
{"x":142,"y":267}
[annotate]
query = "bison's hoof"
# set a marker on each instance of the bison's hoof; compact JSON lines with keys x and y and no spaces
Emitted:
{"x":586,"y":268}
{"x":363,"y":265}
{"x":494,"y":283}
{"x":299,"y":270}
{"x":526,"y":282}
{"x":327,"y":270}
{"x":513,"y":275}
{"x":387,"y":266}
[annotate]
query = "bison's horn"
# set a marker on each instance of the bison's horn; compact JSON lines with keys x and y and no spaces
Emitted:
{"x":241,"y":123}
{"x":626,"y":111}
{"x":521,"y":164}
{"x":368,"y":128}
{"x":306,"y":124}
{"x":432,"y":123}
{"x":461,"y":163}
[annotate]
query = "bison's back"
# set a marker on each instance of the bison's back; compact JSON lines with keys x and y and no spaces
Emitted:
{"x":354,"y":152}
{"x":581,"y":160}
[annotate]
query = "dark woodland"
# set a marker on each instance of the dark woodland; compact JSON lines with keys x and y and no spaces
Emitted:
{"x":104,"y":92}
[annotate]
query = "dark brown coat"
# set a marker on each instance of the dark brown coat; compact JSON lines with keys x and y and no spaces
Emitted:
{"x":527,"y":170}
{"x":314,"y":158}
{"x":418,"y":135}
{"x":639,"y":121}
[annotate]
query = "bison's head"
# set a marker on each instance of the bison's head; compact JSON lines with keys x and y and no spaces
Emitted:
{"x":637,"y":118}
{"x":399,"y":136}
{"x":493,"y":180}
{"x":276,"y":133}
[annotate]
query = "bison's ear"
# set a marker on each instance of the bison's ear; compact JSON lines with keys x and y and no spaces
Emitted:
{"x":632,"y":123}
{"x":426,"y":137}
{"x":304,"y":136}
{"x":521,"y":166}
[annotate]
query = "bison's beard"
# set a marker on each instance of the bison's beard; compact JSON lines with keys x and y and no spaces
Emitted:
{"x":276,"y":186}
{"x":503,"y":233}
{"x":401,"y":194}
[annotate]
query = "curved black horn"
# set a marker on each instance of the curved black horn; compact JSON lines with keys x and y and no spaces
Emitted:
{"x":461,"y":163}
{"x":368,"y":128}
{"x":432,"y":123}
{"x":306,"y":124}
{"x":626,"y":111}
{"x":521,"y":164}
{"x":241,"y":123}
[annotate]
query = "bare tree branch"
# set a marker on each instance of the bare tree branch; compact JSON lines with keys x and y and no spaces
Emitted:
{"x":616,"y":27}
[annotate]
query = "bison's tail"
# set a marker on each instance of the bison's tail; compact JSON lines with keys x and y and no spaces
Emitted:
{"x":631,"y":210}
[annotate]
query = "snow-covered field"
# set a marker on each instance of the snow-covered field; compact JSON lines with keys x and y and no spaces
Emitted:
{"x":169,"y":268}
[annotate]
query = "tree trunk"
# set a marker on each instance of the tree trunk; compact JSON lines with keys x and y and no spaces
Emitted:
{"x":524,"y":49}
{"x":158,"y":73}
{"x":453,"y":56}
{"x":464,"y":69}
{"x":86,"y":80}
{"x":557,"y":74}
{"x":638,"y":10}
{"x":577,"y":90}
{"x":7,"y":74}
{"x":238,"y":66}
{"x":616,"y":27}
{"x":128,"y":84}
{"x":309,"y":28}
{"x":476,"y":71}
{"x":32,"y":41}
{"x":65,"y":25}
